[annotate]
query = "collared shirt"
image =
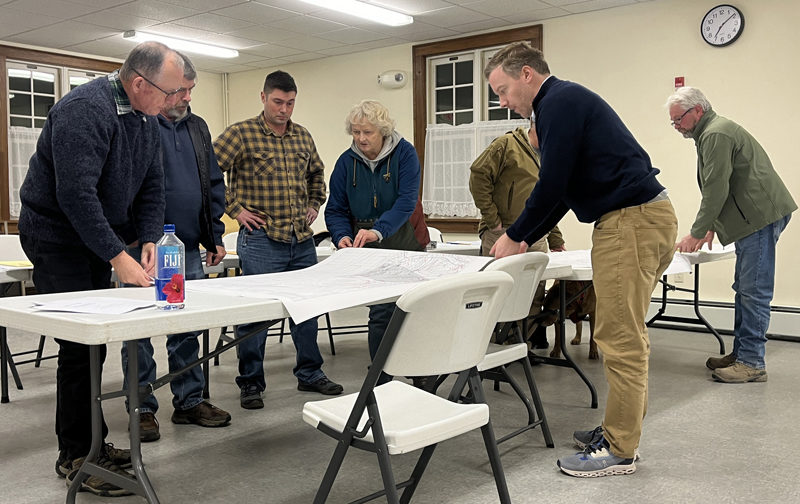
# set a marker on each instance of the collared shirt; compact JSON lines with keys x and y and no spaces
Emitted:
{"x":276,"y":177}
{"x":120,"y":96}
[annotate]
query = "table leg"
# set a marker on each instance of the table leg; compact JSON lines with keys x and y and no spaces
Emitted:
{"x":139,"y":483}
{"x":206,"y":393}
{"x":4,"y":369}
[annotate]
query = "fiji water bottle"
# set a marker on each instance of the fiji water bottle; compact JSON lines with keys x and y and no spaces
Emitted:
{"x":170,"y":257}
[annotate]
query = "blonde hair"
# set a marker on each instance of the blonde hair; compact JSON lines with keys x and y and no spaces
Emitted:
{"x":372,"y":112}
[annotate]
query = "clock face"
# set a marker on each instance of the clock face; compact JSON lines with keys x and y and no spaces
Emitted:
{"x":722,"y":25}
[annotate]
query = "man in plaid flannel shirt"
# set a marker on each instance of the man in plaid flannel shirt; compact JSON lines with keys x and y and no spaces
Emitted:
{"x":275,"y":188}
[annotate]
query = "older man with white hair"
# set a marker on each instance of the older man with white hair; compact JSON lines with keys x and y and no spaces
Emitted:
{"x":744,"y":202}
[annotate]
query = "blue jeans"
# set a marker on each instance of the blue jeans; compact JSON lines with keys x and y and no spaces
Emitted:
{"x":187,"y":388}
{"x":259,"y":254}
{"x":754,"y":282}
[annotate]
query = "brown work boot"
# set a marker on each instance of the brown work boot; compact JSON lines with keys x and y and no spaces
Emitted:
{"x":720,"y":362}
{"x":739,"y":373}
{"x":148,"y":427}
{"x":204,"y":414}
{"x":96,"y":484}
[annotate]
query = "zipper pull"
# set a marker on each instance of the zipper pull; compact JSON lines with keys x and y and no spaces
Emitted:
{"x":375,"y":200}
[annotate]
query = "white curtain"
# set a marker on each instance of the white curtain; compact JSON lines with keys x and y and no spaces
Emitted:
{"x":449,"y":152}
{"x":21,"y":146}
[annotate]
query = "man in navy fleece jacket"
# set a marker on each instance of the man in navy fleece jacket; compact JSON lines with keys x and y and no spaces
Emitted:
{"x":95,"y":185}
{"x":591,"y":164}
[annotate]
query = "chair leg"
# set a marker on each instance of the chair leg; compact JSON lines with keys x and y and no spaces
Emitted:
{"x":283,"y":325}
{"x":39,"y":351}
{"x":333,"y":469}
{"x":416,"y":474}
{"x":537,"y":403}
{"x":12,"y":367}
{"x":382,"y":451}
{"x":490,"y":442}
{"x":330,"y":332}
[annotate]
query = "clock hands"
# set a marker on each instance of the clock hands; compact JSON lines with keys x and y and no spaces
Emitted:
{"x":723,"y":24}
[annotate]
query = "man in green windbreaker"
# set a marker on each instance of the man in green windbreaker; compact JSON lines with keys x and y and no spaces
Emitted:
{"x":744,"y":202}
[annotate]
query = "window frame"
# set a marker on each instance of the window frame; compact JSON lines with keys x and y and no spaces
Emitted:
{"x":420,"y":55}
{"x":35,"y":57}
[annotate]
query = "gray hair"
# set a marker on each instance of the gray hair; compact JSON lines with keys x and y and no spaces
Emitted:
{"x":688,"y":97}
{"x":148,"y":58}
{"x":374,"y":113}
{"x":189,"y":71}
{"x":514,"y":56}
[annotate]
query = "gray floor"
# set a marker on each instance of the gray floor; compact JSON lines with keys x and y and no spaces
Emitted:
{"x":703,"y":441}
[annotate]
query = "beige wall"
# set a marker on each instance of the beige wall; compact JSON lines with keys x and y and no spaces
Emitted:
{"x":208,"y":101}
{"x":630,"y":56}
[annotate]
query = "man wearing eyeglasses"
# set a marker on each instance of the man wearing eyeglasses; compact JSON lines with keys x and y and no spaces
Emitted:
{"x":744,"y":202}
{"x":94,"y":185}
{"x":195,"y":202}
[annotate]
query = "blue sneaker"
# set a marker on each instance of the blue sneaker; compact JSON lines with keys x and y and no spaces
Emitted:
{"x":583,"y":438}
{"x":596,"y":461}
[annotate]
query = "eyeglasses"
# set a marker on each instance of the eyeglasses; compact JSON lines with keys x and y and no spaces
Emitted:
{"x":167,"y":93}
{"x":677,"y":121}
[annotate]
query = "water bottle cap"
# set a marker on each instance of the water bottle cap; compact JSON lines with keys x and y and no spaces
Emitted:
{"x":169,"y":228}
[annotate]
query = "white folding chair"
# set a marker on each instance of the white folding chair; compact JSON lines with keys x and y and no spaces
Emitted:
{"x":526,"y":270}
{"x":441,"y":326}
{"x":435,"y":235}
{"x":229,"y":241}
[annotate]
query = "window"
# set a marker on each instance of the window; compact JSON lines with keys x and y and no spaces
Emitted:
{"x":450,"y":92}
{"x":32,"y":82}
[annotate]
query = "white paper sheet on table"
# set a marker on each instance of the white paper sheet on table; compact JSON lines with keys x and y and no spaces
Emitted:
{"x":107,"y":306}
{"x":582,"y":259}
{"x":350,"y":277}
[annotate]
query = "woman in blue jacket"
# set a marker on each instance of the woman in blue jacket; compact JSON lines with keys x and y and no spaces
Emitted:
{"x":374,"y":189}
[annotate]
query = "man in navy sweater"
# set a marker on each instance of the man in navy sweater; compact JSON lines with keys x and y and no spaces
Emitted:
{"x":195,"y":201}
{"x":95,"y":184}
{"x":591,"y":164}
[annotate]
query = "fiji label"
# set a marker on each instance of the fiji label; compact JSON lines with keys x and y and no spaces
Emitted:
{"x":169,"y":275}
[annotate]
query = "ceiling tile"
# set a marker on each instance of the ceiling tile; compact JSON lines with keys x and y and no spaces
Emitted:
{"x":256,"y":13}
{"x":176,"y":30}
{"x":306,"y":43}
{"x":452,"y":16}
{"x":202,"y":5}
{"x":352,"y":36}
{"x":307,"y":24}
{"x":57,"y":8}
{"x":306,"y":56}
{"x":111,"y":46}
{"x":214,"y":23}
{"x":153,"y":9}
{"x":225,"y":40}
{"x":115,"y":21}
{"x":23,"y":21}
{"x":487,"y":24}
{"x":411,"y":7}
{"x":537,"y":15}
{"x":500,"y":8}
{"x":63,"y":34}
{"x":264,"y":34}
{"x":271,"y":51}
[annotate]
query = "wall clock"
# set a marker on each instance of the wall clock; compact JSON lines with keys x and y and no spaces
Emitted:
{"x":722,"y":25}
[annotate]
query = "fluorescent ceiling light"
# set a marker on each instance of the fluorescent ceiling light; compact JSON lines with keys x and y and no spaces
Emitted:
{"x":182,"y":45}
{"x":365,"y":10}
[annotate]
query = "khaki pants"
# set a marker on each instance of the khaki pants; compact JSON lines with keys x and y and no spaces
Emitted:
{"x":488,"y":239}
{"x":631,"y":248}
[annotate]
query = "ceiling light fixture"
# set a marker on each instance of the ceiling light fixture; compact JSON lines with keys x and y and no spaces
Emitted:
{"x":365,"y":10}
{"x":182,"y":45}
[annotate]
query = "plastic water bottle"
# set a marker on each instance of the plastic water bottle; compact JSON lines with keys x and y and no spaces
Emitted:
{"x":170,"y":273}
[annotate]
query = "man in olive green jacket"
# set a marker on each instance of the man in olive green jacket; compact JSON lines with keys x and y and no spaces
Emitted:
{"x":744,"y":202}
{"x":501,"y":179}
